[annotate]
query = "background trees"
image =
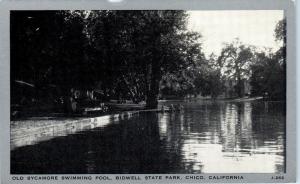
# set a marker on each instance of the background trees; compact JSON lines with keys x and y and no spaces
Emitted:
{"x":235,"y":59}
{"x":268,"y":77}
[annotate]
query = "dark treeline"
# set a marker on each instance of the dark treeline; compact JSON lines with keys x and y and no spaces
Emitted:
{"x":123,"y":53}
{"x":134,"y":55}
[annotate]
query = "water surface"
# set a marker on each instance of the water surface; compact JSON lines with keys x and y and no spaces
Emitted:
{"x":207,"y":137}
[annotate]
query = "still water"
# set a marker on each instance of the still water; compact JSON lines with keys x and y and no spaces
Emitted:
{"x":207,"y":137}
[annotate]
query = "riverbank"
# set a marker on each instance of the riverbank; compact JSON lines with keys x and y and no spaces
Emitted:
{"x":115,"y":108}
{"x":244,"y":99}
{"x":34,"y":129}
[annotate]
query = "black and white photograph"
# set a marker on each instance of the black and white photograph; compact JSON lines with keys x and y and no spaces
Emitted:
{"x":148,"y":91}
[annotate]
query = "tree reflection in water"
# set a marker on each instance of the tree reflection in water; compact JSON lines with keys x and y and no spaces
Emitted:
{"x":231,"y":137}
{"x":207,"y":137}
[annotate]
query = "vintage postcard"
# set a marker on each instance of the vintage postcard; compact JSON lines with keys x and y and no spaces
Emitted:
{"x":160,"y":92}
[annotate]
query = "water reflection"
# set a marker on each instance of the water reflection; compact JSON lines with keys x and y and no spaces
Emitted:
{"x":207,"y":137}
{"x":222,"y":139}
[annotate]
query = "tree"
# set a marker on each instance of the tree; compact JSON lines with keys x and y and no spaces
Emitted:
{"x":268,"y":77}
{"x":144,"y":45}
{"x":235,"y":59}
{"x":208,"y":78}
{"x":49,"y":51}
{"x":125,"y":53}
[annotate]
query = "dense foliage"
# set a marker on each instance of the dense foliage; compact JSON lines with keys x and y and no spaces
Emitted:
{"x":268,"y":77}
{"x":124,"y":53}
{"x":134,"y":55}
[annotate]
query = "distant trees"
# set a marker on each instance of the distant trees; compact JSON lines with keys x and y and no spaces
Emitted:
{"x":208,"y":78}
{"x":235,"y":59}
{"x":268,"y":77}
{"x":264,"y":70}
{"x":244,"y":66}
{"x":202,"y":78}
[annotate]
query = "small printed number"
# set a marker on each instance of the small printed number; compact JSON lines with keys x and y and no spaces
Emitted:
{"x":277,"y":177}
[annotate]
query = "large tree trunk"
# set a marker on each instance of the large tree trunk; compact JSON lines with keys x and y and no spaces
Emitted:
{"x":240,"y":88}
{"x":239,"y":85}
{"x":153,"y":87}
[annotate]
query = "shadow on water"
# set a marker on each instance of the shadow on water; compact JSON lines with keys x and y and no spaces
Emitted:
{"x":207,"y":137}
{"x":122,"y":147}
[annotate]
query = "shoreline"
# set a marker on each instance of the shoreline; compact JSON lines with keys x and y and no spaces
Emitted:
{"x":121,"y":108}
{"x":32,"y":130}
